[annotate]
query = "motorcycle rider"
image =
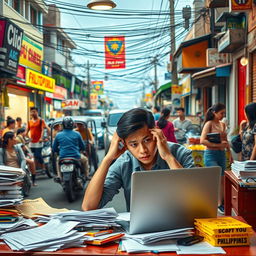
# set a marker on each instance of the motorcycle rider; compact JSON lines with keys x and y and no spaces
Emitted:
{"x":69,"y":143}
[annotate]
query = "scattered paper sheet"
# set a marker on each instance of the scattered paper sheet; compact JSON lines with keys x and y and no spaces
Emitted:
{"x":31,"y":208}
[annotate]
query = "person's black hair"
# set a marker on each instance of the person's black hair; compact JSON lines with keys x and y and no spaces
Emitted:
{"x":162,"y":122}
{"x":21,"y":130}
{"x":8,"y":117}
{"x":10,"y":121}
{"x":133,"y":120}
{"x":7,"y":136}
{"x":213,"y":109}
{"x":250,"y":110}
{"x":34,"y":108}
{"x":18,"y":119}
{"x":157,"y":108}
{"x":180,"y":109}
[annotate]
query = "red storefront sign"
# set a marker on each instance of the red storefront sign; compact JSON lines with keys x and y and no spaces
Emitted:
{"x":240,"y":5}
{"x":114,"y":52}
{"x":60,"y":93}
{"x":21,"y":74}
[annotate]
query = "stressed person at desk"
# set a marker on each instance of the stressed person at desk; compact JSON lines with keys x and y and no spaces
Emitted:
{"x":144,"y":147}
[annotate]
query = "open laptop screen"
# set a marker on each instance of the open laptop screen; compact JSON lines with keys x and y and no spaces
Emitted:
{"x":168,"y":199}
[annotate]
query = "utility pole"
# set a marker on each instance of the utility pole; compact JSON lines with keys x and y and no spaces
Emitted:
{"x":88,"y":65}
{"x":155,"y":62}
{"x":173,"y":42}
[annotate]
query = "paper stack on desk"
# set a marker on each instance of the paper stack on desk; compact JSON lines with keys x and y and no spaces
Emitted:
{"x":99,"y":219}
{"x":50,"y":237}
{"x":10,"y":185}
{"x":244,"y":169}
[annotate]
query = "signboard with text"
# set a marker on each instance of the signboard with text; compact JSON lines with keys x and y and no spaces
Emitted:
{"x":240,"y":5}
{"x":10,"y":46}
{"x":114,"y":52}
{"x":70,"y":104}
{"x":97,"y":87}
{"x":214,"y":58}
{"x":31,"y":54}
{"x":38,"y":81}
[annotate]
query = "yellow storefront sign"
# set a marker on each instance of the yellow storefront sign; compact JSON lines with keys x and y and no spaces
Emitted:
{"x":38,"y":81}
{"x":31,"y":54}
{"x":186,"y":85}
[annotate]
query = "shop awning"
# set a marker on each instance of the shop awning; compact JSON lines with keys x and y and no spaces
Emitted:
{"x":163,"y":88}
{"x":218,"y":71}
{"x":191,"y":54}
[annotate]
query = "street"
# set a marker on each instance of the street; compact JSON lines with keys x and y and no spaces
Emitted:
{"x":54,"y":195}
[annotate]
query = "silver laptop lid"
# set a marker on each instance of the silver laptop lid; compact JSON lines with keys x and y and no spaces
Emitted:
{"x":168,"y":199}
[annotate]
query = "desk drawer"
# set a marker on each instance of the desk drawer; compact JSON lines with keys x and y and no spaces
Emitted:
{"x":234,"y":198}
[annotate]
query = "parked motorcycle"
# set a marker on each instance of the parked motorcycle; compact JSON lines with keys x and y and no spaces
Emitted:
{"x":72,"y":179}
{"x":47,"y":157}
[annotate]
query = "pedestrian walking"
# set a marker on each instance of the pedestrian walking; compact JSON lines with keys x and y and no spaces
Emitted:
{"x":247,"y":133}
{"x":156,"y":112}
{"x":181,"y":125}
{"x":36,"y":129}
{"x":214,"y":137}
{"x":166,"y":126}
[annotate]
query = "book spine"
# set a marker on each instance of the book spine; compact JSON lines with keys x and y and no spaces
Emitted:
{"x":224,"y":230}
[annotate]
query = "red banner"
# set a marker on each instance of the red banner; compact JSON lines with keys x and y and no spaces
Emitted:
{"x":114,"y":52}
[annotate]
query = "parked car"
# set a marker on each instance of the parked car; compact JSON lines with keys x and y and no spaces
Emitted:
{"x":94,"y":112}
{"x":99,"y":129}
{"x":110,"y":126}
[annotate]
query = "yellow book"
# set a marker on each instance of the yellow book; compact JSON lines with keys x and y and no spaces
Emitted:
{"x":227,"y":234}
{"x":233,"y":240}
{"x":223,"y":225}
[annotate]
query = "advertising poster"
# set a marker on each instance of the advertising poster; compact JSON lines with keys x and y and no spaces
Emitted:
{"x":240,"y":5}
{"x":115,"y":52}
{"x":98,"y":87}
{"x":10,"y":44}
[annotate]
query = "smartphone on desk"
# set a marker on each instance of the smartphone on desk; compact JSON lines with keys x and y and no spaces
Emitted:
{"x":190,"y":240}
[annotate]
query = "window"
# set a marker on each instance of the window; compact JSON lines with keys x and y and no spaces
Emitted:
{"x":33,"y":16}
{"x":60,"y":45}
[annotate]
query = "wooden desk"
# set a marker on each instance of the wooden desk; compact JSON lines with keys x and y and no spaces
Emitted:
{"x":112,"y":249}
{"x":239,"y":199}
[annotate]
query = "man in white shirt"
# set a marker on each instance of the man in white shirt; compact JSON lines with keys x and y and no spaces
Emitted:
{"x":181,"y":125}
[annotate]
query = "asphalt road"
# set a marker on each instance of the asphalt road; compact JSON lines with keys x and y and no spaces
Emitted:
{"x":54,"y":195}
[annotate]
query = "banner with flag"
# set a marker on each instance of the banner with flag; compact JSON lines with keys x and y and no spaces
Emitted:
{"x":114,"y":52}
{"x":97,"y":87}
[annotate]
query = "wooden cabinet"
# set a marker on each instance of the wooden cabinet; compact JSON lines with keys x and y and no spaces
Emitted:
{"x":239,"y":200}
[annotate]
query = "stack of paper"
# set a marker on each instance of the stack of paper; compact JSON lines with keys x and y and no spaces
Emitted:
{"x":50,"y":237}
{"x":245,"y":169}
{"x":20,"y":224}
{"x":149,"y":238}
{"x":10,"y":185}
{"x":8,"y":215}
{"x":100,"y":219}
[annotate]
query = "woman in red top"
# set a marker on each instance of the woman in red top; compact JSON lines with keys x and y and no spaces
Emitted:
{"x":166,"y":126}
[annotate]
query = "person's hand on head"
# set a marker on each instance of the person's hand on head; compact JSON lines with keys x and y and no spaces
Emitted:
{"x":161,"y":143}
{"x":114,"y":149}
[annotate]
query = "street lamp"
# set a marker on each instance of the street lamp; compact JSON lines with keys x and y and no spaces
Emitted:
{"x":101,"y":5}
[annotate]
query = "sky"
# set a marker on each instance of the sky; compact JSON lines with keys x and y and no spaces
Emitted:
{"x":145,"y":25}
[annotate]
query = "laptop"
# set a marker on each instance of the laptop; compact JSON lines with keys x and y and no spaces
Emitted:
{"x":169,"y":199}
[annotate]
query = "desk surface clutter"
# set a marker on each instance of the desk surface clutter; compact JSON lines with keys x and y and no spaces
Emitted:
{"x":31,"y":227}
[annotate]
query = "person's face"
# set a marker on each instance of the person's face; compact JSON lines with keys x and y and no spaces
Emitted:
{"x":12,"y":141}
{"x":142,"y":145}
{"x":19,"y":123}
{"x":34,"y":113}
{"x":80,"y":127}
{"x":220,"y":114}
{"x":180,"y":113}
{"x":12,"y":126}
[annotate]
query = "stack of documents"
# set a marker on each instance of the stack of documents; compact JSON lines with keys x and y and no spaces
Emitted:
{"x":244,"y":170}
{"x":149,"y":238}
{"x":101,"y":238}
{"x":99,"y":219}
{"x":19,"y":224}
{"x":50,"y":237}
{"x":8,"y":215}
{"x":10,"y":185}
